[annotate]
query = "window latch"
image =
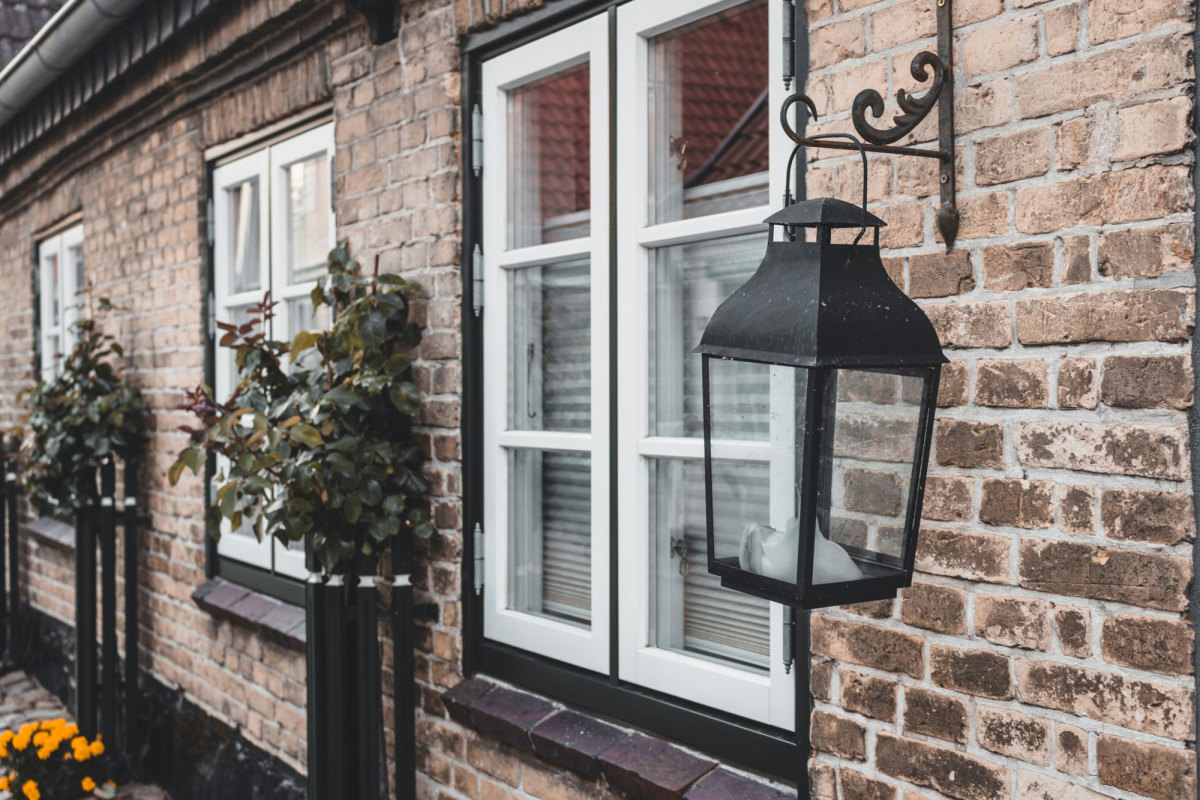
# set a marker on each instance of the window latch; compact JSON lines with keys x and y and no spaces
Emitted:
{"x":478,"y":559}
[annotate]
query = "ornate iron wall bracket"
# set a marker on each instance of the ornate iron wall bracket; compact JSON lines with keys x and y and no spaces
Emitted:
{"x":926,"y":66}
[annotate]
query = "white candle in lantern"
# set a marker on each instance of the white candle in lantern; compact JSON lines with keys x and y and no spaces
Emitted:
{"x":773,"y":553}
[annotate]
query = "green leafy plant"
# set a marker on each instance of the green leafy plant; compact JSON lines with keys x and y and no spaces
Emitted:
{"x":317,"y":437}
{"x":80,"y":418}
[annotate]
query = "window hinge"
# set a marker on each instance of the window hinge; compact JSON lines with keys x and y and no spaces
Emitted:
{"x":478,"y":545}
{"x":477,"y":140}
{"x":212,"y":316}
{"x":211,"y":223}
{"x":789,"y":43}
{"x":477,"y":280}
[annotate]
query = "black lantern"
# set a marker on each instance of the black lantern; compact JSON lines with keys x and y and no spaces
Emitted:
{"x":835,"y":370}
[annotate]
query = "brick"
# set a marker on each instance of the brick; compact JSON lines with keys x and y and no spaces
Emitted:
{"x":507,"y":716}
{"x":977,"y":672}
{"x":1145,"y":451}
{"x":967,"y":12}
{"x":1147,"y":516}
{"x":868,"y":645}
{"x":1147,"y":382}
{"x":948,"y":498}
{"x":1129,"y":195}
{"x":1153,"y":129}
{"x":1000,"y":46}
{"x":1077,"y":383}
{"x":1074,"y":627}
{"x":905,"y":221}
{"x":1077,"y":509}
{"x":1164,"y":315}
{"x":1077,"y":259}
{"x":971,"y":325}
{"x":1012,"y":267}
{"x":1164,"y":773}
{"x":721,"y":784}
{"x":900,"y":24}
{"x":1146,"y":252}
{"x":1012,"y":383}
{"x":1113,"y":19}
{"x":822,"y":780}
{"x":820,"y":679}
{"x":983,"y":215}
{"x":984,"y":105}
{"x":1034,"y":786}
{"x":873,"y":491}
{"x":875,"y":609}
{"x":933,"y":714}
{"x":834,"y":43}
{"x":953,"y":385}
{"x":954,"y":774}
{"x":1071,"y":749}
{"x":1013,"y":621}
{"x":1011,"y":733}
{"x":650,"y":768}
{"x":1153,"y":708}
{"x":1077,"y":143}
{"x":959,"y":554}
{"x":856,"y":786}
{"x":934,"y":607}
{"x":1081,"y":570}
{"x":1022,"y":504}
{"x":867,"y":694}
{"x":839,"y":736}
{"x":1062,"y":29}
{"x":940,"y":274}
{"x":1156,"y":645}
{"x":574,"y":741}
{"x":1012,"y":156}
{"x":962,"y":443}
{"x":1066,"y":85}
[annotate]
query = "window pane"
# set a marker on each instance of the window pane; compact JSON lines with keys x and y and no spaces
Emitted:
{"x":235,"y":315}
{"x":708,"y":116}
{"x":53,"y":285}
{"x":692,"y":612}
{"x":549,"y":182}
{"x":550,"y":351}
{"x":300,"y":317}
{"x":688,"y":283}
{"x":307,"y":218}
{"x":550,"y":520}
{"x":244,"y":242}
{"x":75,"y":261}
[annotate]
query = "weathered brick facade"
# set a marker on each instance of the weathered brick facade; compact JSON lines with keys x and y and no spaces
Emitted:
{"x":1045,"y":649}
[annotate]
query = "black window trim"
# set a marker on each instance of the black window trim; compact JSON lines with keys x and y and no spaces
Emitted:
{"x":759,"y":747}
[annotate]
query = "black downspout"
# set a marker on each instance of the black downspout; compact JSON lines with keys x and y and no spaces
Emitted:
{"x":403,"y":688}
{"x":85,"y":608}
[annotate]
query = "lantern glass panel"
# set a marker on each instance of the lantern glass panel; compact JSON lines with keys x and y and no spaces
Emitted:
{"x":865,"y":477}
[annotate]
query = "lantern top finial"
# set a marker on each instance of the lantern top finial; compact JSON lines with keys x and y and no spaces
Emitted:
{"x":825,"y":212}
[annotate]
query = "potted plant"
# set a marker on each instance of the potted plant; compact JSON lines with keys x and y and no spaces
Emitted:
{"x":316,"y":444}
{"x":50,"y":760}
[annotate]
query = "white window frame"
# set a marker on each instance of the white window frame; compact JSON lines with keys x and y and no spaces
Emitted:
{"x":269,"y":164}
{"x":57,"y":246}
{"x":769,"y":697}
{"x":583,"y":647}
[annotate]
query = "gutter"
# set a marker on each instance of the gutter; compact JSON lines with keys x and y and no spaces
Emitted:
{"x":69,"y":34}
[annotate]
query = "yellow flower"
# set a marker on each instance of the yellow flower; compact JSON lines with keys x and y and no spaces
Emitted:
{"x":3,"y":752}
{"x":41,"y":738}
{"x":6,"y":737}
{"x":4,"y":784}
{"x":21,"y":741}
{"x":28,"y":729}
{"x":44,"y":753}
{"x":69,"y":731}
{"x":30,"y":788}
{"x":79,"y":742}
{"x":82,"y":754}
{"x":88,"y":784}
{"x":97,"y":748}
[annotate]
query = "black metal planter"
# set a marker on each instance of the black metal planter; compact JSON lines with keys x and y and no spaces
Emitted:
{"x":344,"y":700}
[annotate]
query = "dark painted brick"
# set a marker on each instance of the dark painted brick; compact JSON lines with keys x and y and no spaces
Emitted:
{"x":574,"y":741}
{"x":253,"y":607}
{"x":281,"y":625}
{"x":220,"y":598}
{"x":508,"y":716}
{"x":725,"y":785}
{"x":458,"y":700}
{"x":651,"y":769}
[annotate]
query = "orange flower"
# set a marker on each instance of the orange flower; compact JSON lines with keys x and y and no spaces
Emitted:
{"x":30,"y":790}
{"x":4,"y":784}
{"x":88,"y":784}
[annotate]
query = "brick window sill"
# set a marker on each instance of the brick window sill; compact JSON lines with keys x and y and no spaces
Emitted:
{"x":51,"y":531}
{"x":282,"y":623}
{"x":637,"y":765}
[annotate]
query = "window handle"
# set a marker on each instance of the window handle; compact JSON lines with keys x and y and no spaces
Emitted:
{"x":679,"y":549}
{"x":529,"y":351}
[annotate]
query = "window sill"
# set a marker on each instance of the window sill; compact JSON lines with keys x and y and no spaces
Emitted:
{"x":282,"y":623}
{"x":637,"y":764}
{"x":51,"y":531}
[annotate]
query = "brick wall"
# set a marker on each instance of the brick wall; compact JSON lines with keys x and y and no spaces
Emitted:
{"x":1044,"y":649}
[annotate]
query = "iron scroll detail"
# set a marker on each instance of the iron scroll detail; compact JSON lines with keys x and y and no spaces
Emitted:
{"x":914,"y":108}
